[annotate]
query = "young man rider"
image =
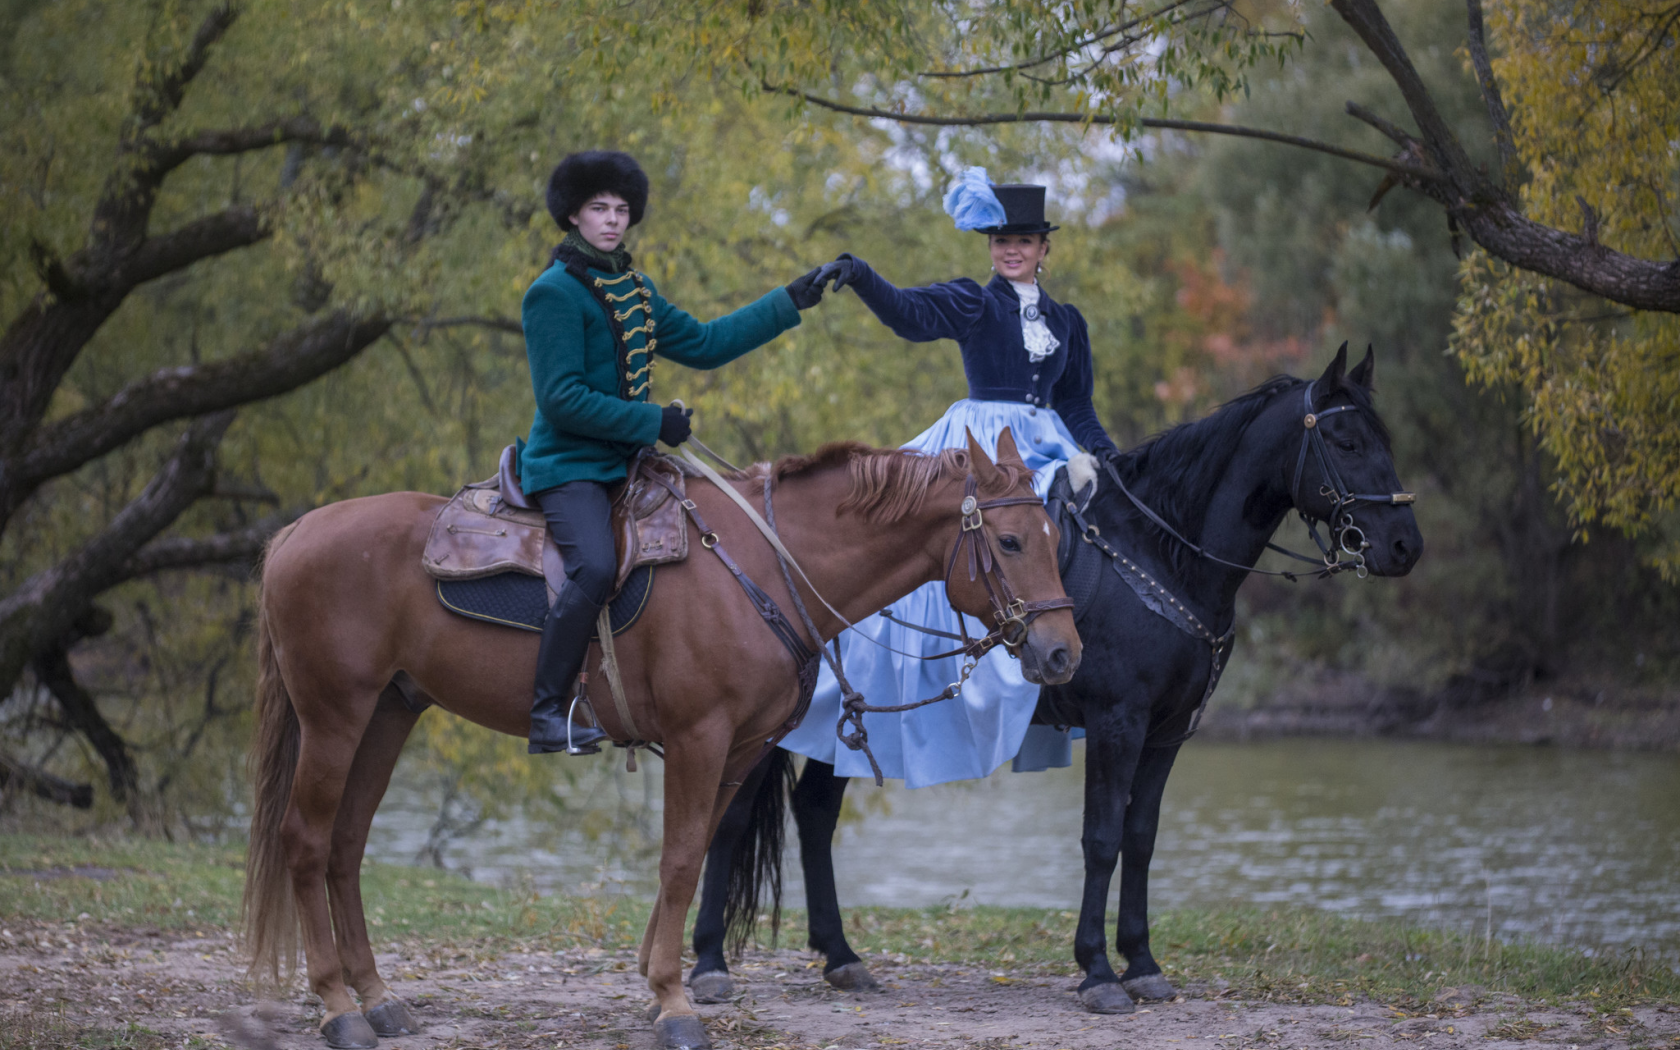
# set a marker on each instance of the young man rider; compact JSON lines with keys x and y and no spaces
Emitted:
{"x":593,"y":328}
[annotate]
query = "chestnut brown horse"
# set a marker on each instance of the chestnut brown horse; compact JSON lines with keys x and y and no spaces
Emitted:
{"x":346,"y":606}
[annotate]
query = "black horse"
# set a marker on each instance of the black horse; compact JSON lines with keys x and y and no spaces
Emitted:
{"x":1153,"y":552}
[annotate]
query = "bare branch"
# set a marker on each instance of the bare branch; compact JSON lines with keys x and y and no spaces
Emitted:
{"x":1494,"y":101}
{"x":499,"y":324}
{"x":1367,"y":20}
{"x":1095,"y":38}
{"x":1031,"y":117}
{"x":48,"y":605}
{"x":225,"y":231}
{"x":164,"y":157}
{"x":290,"y":360}
{"x":1382,"y":124}
{"x":16,"y":776}
{"x":196,"y":552}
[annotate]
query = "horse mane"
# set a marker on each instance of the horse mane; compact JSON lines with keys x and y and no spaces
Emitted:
{"x":1182,"y":465}
{"x":887,"y":484}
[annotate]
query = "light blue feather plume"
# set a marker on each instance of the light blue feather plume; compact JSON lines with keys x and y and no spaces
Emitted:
{"x":971,"y":202}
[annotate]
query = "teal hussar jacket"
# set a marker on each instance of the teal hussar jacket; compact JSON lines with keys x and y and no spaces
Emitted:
{"x":585,"y":428}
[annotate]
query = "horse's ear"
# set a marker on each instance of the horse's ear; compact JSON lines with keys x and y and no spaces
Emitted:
{"x":1007,"y":450}
{"x":1334,"y":374}
{"x":985,"y":471}
{"x":1363,"y":372}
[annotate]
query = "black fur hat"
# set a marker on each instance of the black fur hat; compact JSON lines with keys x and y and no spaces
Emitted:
{"x":581,"y":176}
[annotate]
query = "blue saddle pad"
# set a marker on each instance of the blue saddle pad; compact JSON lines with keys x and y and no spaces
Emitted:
{"x":513,"y":599}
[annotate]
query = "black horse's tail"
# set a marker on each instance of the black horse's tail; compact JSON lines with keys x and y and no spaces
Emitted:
{"x":757,"y":862}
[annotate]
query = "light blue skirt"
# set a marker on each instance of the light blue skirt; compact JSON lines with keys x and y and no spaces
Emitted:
{"x":970,"y":736}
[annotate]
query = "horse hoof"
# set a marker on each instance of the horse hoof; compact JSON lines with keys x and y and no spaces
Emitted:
{"x":1155,"y":986}
{"x":852,"y":977}
{"x":713,"y":986}
{"x":1107,"y":998}
{"x":349,"y":1031}
{"x":682,"y":1032}
{"x":392,"y":1018}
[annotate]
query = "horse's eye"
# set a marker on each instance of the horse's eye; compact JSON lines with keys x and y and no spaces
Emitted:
{"x":1010,"y":544}
{"x":1347,"y":446}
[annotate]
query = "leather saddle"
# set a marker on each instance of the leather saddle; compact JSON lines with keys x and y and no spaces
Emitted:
{"x":492,"y":527}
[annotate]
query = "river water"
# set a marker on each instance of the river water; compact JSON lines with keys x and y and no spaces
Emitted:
{"x":1546,"y":844}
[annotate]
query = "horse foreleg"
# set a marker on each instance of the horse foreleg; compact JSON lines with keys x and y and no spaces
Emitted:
{"x":695,"y":800}
{"x":370,"y":775}
{"x":817,"y":799}
{"x":1143,"y":978}
{"x":1110,"y":759}
{"x":709,"y":980}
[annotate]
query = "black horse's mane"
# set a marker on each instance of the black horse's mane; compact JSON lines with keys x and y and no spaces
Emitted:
{"x":1181,"y":466}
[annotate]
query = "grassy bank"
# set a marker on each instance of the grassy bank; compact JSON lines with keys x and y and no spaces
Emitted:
{"x":1288,"y":955}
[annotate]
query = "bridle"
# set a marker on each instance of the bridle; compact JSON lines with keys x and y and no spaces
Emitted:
{"x":1011,"y":614}
{"x":1348,"y":538}
{"x":1345,"y":536}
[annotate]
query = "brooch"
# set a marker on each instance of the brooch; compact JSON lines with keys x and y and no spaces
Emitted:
{"x":1030,"y":311}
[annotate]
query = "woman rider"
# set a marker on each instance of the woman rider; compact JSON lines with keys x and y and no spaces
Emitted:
{"x":1028,"y":363}
{"x":592,"y":329}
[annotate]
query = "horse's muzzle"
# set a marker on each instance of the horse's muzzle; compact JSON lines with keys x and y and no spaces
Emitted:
{"x":1049,"y":657}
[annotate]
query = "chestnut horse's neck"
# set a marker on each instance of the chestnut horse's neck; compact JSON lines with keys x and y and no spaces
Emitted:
{"x":860,"y":564}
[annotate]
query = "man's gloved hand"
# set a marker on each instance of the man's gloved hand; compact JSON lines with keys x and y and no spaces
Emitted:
{"x":806,"y":290}
{"x":842,"y":271}
{"x":674,"y":427}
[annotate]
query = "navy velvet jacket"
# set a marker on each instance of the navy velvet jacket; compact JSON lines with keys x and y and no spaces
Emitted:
{"x":986,"y":323}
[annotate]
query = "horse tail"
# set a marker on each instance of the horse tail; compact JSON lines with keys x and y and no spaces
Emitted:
{"x":757,"y":862}
{"x":269,"y":908}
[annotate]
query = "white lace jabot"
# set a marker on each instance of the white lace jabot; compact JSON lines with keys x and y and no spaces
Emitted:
{"x":1036,"y":334}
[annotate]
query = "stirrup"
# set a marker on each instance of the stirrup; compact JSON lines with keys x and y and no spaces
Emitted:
{"x":593,"y":747}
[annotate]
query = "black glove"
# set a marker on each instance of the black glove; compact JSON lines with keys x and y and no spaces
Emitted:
{"x":806,"y":291}
{"x":674,"y":427}
{"x":842,"y":271}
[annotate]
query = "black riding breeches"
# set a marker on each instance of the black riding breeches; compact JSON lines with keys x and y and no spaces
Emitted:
{"x":579,"y":517}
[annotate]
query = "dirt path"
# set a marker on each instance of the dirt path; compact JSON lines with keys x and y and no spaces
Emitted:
{"x":188,"y":990}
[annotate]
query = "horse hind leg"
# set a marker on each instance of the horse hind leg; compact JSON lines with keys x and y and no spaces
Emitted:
{"x":370,"y":775}
{"x":817,"y":799}
{"x":332,"y":732}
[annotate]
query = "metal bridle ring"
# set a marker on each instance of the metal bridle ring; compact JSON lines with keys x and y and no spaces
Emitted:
{"x":708,"y":540}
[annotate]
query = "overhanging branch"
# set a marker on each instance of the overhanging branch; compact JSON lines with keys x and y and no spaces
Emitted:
{"x":1037,"y":117}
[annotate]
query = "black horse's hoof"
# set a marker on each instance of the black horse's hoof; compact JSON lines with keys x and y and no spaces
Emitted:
{"x":682,"y":1032}
{"x":1107,"y":998}
{"x":1155,"y":986}
{"x":391,"y":1018}
{"x":713,"y":986}
{"x":349,"y":1032}
{"x":852,"y":977}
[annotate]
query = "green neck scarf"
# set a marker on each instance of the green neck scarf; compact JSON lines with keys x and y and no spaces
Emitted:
{"x":615,"y":261}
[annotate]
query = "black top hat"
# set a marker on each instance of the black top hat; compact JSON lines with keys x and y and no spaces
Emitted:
{"x":1023,"y":210}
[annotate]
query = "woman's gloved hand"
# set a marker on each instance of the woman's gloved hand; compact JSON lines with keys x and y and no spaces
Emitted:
{"x":842,"y":271}
{"x":806,"y":290}
{"x":674,"y":427}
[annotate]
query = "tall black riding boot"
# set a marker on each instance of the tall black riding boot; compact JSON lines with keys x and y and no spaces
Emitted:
{"x":565,"y":644}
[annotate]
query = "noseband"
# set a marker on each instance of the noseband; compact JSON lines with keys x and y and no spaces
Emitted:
{"x":1347,"y":537}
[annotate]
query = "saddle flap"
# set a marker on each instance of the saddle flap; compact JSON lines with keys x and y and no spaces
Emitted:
{"x":477,"y":534}
{"x":648,"y":525}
